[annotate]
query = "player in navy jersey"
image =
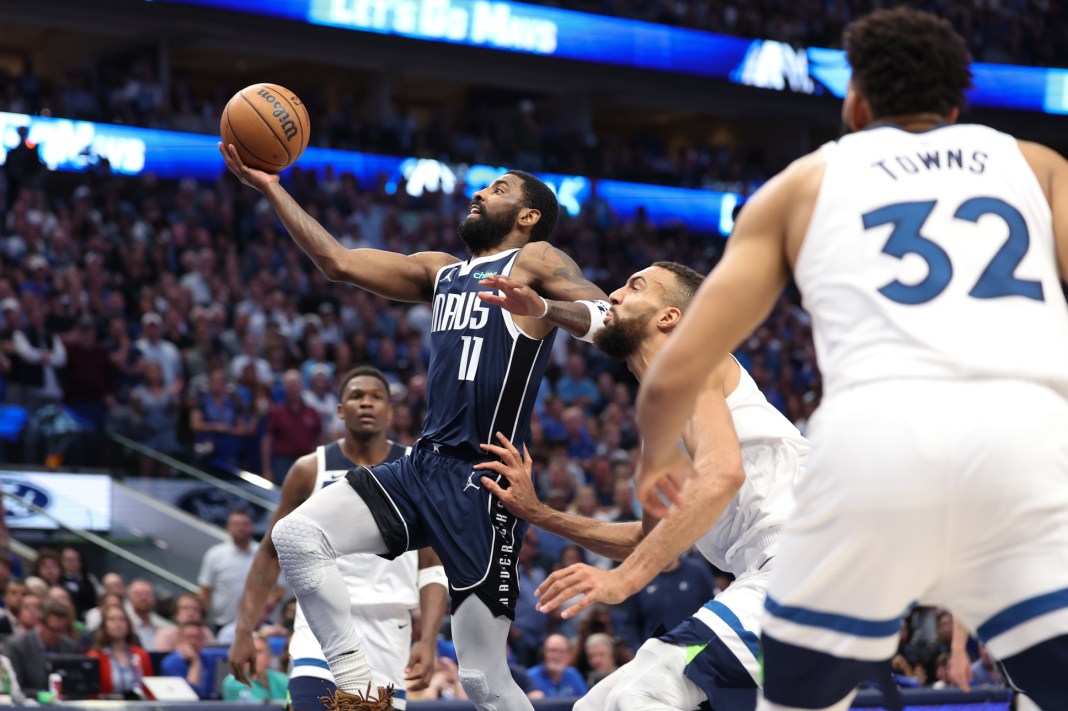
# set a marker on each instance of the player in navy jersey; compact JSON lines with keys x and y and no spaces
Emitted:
{"x":485,"y":369}
{"x":382,"y":592}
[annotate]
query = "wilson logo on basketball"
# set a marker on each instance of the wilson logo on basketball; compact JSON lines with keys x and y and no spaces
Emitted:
{"x":285,"y":122}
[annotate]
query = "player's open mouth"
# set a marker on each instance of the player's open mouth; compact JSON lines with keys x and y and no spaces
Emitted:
{"x":475,"y":210}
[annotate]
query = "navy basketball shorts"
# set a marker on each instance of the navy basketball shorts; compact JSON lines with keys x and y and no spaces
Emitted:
{"x":432,"y":499}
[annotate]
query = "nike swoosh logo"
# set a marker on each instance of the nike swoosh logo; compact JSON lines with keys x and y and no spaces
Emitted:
{"x":400,"y":627}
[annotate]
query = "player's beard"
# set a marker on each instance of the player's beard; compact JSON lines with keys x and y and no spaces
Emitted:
{"x":621,"y":338}
{"x":487,"y":230}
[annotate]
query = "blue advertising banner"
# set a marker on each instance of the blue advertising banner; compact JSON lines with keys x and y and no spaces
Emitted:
{"x":564,"y":34}
{"x":79,"y":146}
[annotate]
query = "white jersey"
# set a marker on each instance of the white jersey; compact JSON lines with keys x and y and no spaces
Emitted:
{"x":931,"y":255}
{"x":378,"y":588}
{"x":773,"y":453}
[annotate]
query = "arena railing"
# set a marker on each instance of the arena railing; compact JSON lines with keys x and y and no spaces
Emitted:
{"x":203,"y":476}
{"x":101,"y":542}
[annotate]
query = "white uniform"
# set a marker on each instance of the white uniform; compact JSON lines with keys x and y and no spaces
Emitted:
{"x":382,"y":594}
{"x":939,"y":468}
{"x":714,"y":653}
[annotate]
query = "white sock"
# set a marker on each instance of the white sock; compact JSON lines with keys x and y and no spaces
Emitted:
{"x":350,"y":670}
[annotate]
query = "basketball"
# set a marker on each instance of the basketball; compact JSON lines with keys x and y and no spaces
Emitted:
{"x":268,"y":125}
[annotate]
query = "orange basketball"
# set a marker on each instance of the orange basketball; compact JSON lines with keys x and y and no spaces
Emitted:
{"x":268,"y":124}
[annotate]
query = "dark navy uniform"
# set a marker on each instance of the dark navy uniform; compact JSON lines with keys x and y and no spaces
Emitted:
{"x":483,"y":378}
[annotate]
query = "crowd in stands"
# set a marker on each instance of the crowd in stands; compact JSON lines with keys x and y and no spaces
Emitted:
{"x":1001,"y":31}
{"x":489,"y":130}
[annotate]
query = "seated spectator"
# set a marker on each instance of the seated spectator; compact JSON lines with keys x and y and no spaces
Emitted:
{"x":82,"y":586}
{"x":29,"y":612}
{"x":554,"y":677}
{"x":47,"y":567}
{"x":576,"y":388}
{"x":141,"y":607}
{"x":293,"y":429}
{"x":123,"y":663}
{"x":14,"y":589}
{"x":189,"y":661}
{"x":600,"y":652}
{"x":268,"y":684}
{"x":113,"y":584}
{"x":29,"y":652}
{"x":187,"y":608}
{"x":60,"y":595}
{"x":669,"y":598}
{"x":106,"y":600}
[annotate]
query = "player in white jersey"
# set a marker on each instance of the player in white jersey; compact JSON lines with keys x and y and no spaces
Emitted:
{"x":927,"y":255}
{"x":748,"y":457}
{"x":382,"y":592}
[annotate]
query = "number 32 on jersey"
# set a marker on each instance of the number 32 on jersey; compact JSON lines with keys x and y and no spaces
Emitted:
{"x":998,"y":278}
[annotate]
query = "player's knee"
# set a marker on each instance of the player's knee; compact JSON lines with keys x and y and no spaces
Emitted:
{"x":302,"y":549}
{"x":477,"y":688}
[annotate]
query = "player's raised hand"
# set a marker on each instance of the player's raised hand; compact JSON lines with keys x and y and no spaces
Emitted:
{"x":251,"y":177}
{"x":594,"y":584}
{"x":658,"y":478}
{"x":515,"y":296}
{"x":420,"y":667}
{"x":519,"y":498}
{"x":242,"y":658}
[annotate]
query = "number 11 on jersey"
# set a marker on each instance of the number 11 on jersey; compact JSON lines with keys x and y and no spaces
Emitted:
{"x":469,"y":357}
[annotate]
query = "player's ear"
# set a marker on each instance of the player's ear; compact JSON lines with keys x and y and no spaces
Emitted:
{"x":669,"y":318}
{"x":953,"y":115}
{"x":528,"y":217}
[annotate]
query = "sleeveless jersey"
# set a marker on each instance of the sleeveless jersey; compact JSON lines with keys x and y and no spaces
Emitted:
{"x":371,"y":580}
{"x":931,"y":255}
{"x":773,"y":453}
{"x":484,"y":373}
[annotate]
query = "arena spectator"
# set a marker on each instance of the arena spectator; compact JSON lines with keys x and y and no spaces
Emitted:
{"x":14,"y":589}
{"x":293,"y":429}
{"x":554,"y":677}
{"x":81,"y":585}
{"x":29,"y":652}
{"x":111,"y":583}
{"x":29,"y":614}
{"x":189,"y":662}
{"x":39,"y":354}
{"x":671,"y":597}
{"x":23,"y":167}
{"x":268,"y":684}
{"x":47,"y":566}
{"x":224,"y":569}
{"x":985,"y":671}
{"x":153,"y":346}
{"x":141,"y":609}
{"x":576,"y":388}
{"x":600,"y":651}
{"x":187,"y":608}
{"x":218,"y":420}
{"x":155,"y":406}
{"x":123,"y":662}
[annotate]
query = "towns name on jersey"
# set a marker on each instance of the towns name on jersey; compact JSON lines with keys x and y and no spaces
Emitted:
{"x":458,"y":312}
{"x":934,"y":159}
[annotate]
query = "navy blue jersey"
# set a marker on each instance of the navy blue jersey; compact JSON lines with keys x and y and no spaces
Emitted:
{"x":484,"y":373}
{"x":331,"y":464}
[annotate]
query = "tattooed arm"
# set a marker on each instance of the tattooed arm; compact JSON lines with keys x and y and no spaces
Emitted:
{"x":396,"y":276}
{"x":555,"y":276}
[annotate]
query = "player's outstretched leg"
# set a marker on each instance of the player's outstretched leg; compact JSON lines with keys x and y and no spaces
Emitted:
{"x":655,"y":680}
{"x":481,"y":639}
{"x":333,"y":522}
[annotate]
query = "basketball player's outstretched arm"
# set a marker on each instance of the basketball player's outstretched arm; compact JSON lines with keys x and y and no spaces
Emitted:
{"x":736,"y":298}
{"x":612,"y":540}
{"x":395,"y":276}
{"x":262,"y":577}
{"x":545,"y":271}
{"x":718,"y":475}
